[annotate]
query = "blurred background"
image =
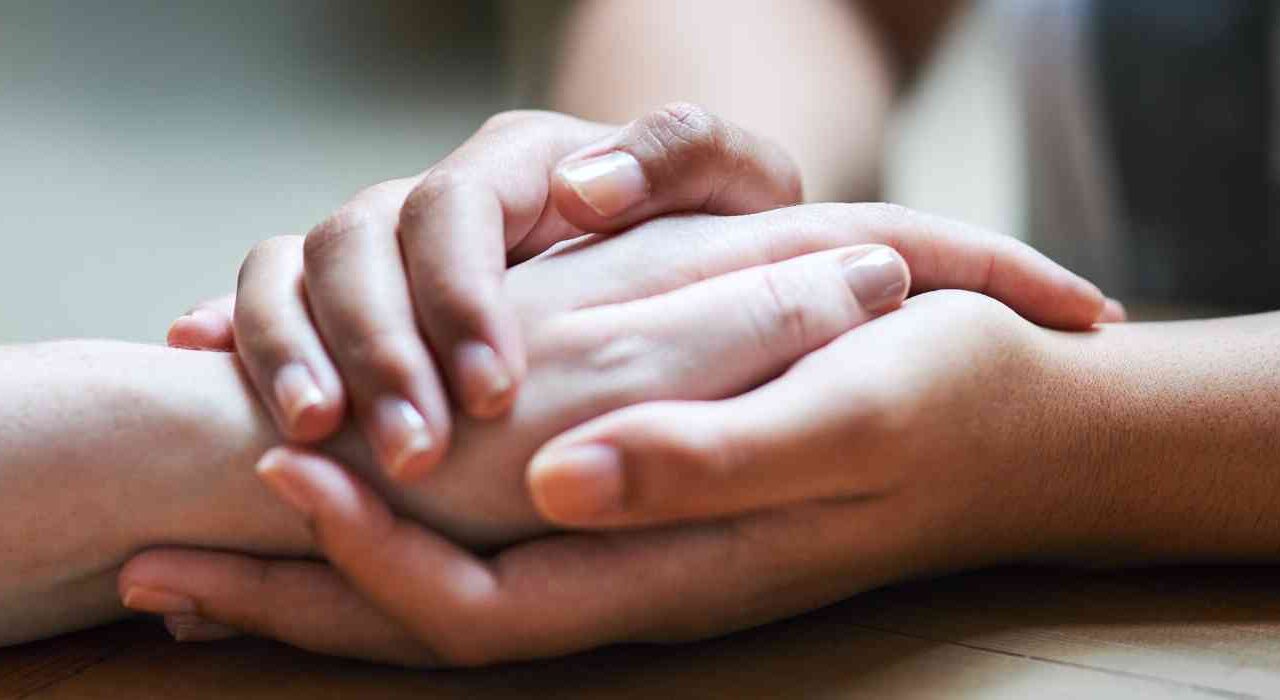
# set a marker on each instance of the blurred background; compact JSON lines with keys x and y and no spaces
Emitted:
{"x":146,"y":146}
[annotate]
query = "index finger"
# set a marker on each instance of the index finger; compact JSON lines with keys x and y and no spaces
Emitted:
{"x":552,"y":596}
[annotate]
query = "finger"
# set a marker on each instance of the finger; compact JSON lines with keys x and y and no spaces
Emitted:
{"x":461,"y":223}
{"x":678,"y":158}
{"x":456,"y":276}
{"x":465,"y":611}
{"x":552,"y":596}
{"x":267,"y":598}
{"x":1113,"y":312}
{"x":280,"y":347}
{"x":764,"y":318}
{"x":941,"y":254}
{"x":814,"y":433}
{"x":207,"y":326}
{"x":193,"y":628}
{"x":436,"y":588}
{"x":675,"y":345}
{"x":359,"y":296}
{"x":548,"y":597}
{"x":473,"y":212}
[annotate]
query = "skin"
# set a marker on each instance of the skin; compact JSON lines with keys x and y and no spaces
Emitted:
{"x":835,"y":169}
{"x":439,"y":327}
{"x":167,"y":437}
{"x":661,"y":255}
{"x":404,"y":281}
{"x":874,"y":459}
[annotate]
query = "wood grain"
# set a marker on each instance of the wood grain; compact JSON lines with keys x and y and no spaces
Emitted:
{"x":1162,"y":633}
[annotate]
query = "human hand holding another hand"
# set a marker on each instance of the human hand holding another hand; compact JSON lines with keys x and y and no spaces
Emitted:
{"x":404,"y":282}
{"x":410,"y":596}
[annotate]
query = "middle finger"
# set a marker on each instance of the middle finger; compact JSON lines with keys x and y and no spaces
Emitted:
{"x":359,"y":293}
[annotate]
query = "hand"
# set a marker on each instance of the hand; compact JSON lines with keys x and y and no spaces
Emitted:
{"x":587,"y":348}
{"x":662,"y":584}
{"x":406,"y":279}
{"x":932,"y":417}
{"x":901,"y":449}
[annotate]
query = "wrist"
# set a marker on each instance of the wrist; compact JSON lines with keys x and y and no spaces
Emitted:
{"x":211,"y":430}
{"x":1170,"y":438}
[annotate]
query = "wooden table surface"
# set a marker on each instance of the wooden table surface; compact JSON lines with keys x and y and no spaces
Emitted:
{"x":1014,"y":633}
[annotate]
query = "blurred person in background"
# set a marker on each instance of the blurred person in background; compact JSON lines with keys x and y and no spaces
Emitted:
{"x":948,"y":434}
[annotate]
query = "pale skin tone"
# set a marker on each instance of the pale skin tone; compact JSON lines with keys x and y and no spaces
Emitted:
{"x":1091,"y":448}
{"x":815,"y":81}
{"x":946,"y":435}
{"x":168,"y":438}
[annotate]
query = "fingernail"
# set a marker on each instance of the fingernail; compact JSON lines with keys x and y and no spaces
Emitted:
{"x":193,"y":628}
{"x":203,"y":323}
{"x":579,"y":483}
{"x":157,"y":601}
{"x":296,"y":392}
{"x":1113,"y":310}
{"x":878,"y":279}
{"x":403,"y":439}
{"x":610,"y":184}
{"x":486,"y":382}
{"x":271,"y":468}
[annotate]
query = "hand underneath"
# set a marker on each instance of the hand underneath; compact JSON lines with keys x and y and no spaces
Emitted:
{"x":408,"y":595}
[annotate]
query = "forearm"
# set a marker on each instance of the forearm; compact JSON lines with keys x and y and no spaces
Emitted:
{"x":812,"y":76}
{"x":1172,"y":434}
{"x":106,"y":448}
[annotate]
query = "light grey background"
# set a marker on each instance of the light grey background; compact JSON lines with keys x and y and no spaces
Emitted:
{"x":145,"y":146}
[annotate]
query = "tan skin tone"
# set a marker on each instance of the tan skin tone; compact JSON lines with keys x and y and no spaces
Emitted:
{"x":160,"y":443}
{"x":846,"y":52}
{"x":946,"y":435}
{"x":1119,"y":466}
{"x":818,"y":92}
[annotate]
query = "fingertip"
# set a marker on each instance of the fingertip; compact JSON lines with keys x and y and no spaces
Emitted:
{"x":310,"y":483}
{"x":1093,"y":301}
{"x":878,"y":277}
{"x":1072,"y":304}
{"x":577,"y":484}
{"x":1113,"y":312}
{"x":408,"y":447}
{"x":202,"y":329}
{"x":306,"y":412}
{"x":488,"y":383}
{"x":187,"y":627}
{"x":154,"y":569}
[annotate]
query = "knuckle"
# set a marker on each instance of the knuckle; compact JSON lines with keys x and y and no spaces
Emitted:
{"x":381,"y":191}
{"x":350,"y":221}
{"x":438,"y":183}
{"x":687,"y":133}
{"x":263,"y":252}
{"x":686,"y":439}
{"x":512,"y":117}
{"x":391,"y":355}
{"x":885,"y":214}
{"x":702,"y":451}
{"x":625,"y":366}
{"x":784,"y":321}
{"x":463,"y":303}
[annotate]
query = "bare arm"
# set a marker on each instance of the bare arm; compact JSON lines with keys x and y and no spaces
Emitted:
{"x":1176,"y":439}
{"x":108,"y":447}
{"x":817,"y":77}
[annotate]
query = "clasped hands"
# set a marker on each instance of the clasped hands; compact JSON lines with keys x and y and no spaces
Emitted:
{"x":708,"y":413}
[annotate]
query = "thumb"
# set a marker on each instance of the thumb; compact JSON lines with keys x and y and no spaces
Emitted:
{"x":678,"y":158}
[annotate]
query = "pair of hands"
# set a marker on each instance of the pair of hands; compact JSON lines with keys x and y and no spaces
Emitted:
{"x":858,"y":465}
